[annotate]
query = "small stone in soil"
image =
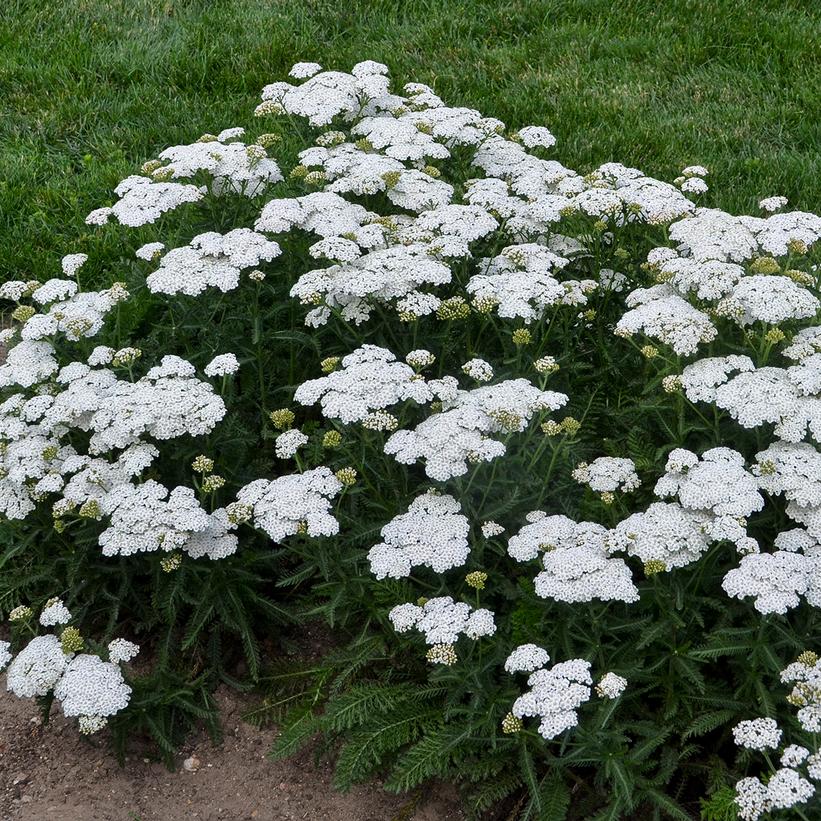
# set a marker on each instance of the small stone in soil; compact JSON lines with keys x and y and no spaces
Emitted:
{"x":191,"y":764}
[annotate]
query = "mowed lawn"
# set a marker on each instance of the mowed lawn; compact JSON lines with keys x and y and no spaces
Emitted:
{"x":90,"y":89}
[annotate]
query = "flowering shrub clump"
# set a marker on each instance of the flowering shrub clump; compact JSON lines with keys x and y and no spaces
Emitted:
{"x":50,"y":666}
{"x":374,"y":358}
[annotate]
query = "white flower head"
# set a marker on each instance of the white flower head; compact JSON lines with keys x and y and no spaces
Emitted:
{"x":289,"y":442}
{"x":55,"y":613}
{"x":71,"y":263}
{"x":611,"y":685}
{"x":222,"y":365}
{"x":526,"y":658}
{"x":772,"y":204}
{"x":433,"y":533}
{"x":301,"y":71}
{"x":120,"y":650}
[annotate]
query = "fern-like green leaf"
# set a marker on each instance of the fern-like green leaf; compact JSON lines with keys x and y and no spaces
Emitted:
{"x":555,"y":797}
{"x":668,"y":806}
{"x":302,"y":725}
{"x":707,"y":722}
{"x":365,"y":750}
{"x":427,"y":758}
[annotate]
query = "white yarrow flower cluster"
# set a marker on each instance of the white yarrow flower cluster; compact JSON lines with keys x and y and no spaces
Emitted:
{"x":433,"y":533}
{"x":662,"y":314}
{"x":222,"y":365}
{"x":665,"y":532}
{"x":461,"y":433}
{"x":370,"y":379}
{"x":211,"y":260}
{"x":611,"y":685}
{"x":577,"y":564}
{"x":608,"y":474}
{"x":787,"y":786}
{"x":442,"y":620}
{"x":526,"y":658}
{"x":289,"y":442}
{"x":143,"y":201}
{"x":757,"y":734}
{"x":55,"y":613}
{"x":717,"y":484}
{"x":555,"y":694}
{"x":85,"y":686}
{"x":521,"y":283}
{"x":292,"y":504}
{"x":233,"y":166}
{"x":478,"y":369}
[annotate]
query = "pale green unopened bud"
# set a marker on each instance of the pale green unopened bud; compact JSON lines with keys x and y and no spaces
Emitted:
{"x":202,"y":464}
{"x":267,"y":140}
{"x":151,"y":166}
{"x":570,"y":425}
{"x":23,"y":313}
{"x":171,"y":562}
{"x":522,"y":336}
{"x":71,"y":641}
{"x":654,"y":567}
{"x":442,"y":654}
{"x":511,"y":724}
{"x":212,"y":483}
{"x":90,"y":509}
{"x":454,"y":308}
{"x":765,"y":265}
{"x":332,"y":439}
{"x":347,"y":476}
{"x":21,"y":613}
{"x":282,"y":418}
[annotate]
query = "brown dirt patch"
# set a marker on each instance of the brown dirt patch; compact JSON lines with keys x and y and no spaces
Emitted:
{"x":50,"y":772}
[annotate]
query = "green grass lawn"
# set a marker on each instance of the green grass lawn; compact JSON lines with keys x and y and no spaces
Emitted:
{"x":92,"y":88}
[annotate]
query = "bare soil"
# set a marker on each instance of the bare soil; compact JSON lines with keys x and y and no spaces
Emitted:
{"x":50,"y":772}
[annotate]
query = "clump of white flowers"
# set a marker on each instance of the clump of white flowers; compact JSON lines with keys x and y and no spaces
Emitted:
{"x":665,"y":532}
{"x":86,"y":686}
{"x":410,"y":222}
{"x":521,"y":282}
{"x":555,"y":693}
{"x":54,"y":613}
{"x":370,"y":379}
{"x":461,"y":433}
{"x":717,"y":485}
{"x":289,"y":442}
{"x":433,"y":533}
{"x":478,"y":369}
{"x":295,"y":503}
{"x":211,"y":260}
{"x":442,"y":620}
{"x":142,"y":201}
{"x":757,"y":734}
{"x":526,"y":658}
{"x":607,"y":475}
{"x":611,"y":685}
{"x":775,"y":580}
{"x":791,"y":784}
{"x":223,"y":365}
{"x":577,"y":564}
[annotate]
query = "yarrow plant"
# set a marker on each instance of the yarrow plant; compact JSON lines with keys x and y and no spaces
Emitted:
{"x":540,"y":446}
{"x":88,"y":686}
